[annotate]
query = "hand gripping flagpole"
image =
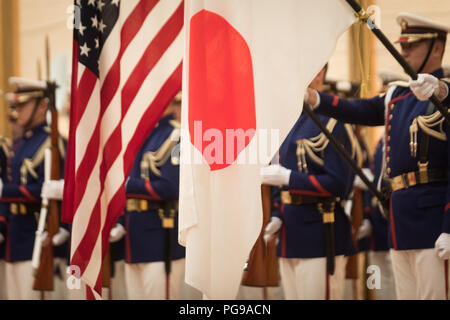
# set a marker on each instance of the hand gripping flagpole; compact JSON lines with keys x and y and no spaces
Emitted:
{"x":383,"y":198}
{"x":365,"y":18}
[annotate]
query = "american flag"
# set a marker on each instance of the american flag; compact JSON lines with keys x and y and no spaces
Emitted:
{"x":127,"y":68}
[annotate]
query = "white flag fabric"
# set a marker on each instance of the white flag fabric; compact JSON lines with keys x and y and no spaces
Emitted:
{"x":246,"y":66}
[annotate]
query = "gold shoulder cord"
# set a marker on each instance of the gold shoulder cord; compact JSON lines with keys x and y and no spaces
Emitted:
{"x":155,"y":159}
{"x":312,"y":146}
{"x":426,"y":124}
{"x":29,"y":165}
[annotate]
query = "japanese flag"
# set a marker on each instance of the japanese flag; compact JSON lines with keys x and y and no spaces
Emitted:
{"x":246,"y":67}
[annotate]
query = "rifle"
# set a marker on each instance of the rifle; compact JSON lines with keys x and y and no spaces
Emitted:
{"x":107,"y":271}
{"x":44,"y":275}
{"x":262,"y":266}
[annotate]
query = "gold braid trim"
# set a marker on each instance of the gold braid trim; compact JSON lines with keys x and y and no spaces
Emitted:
{"x":312,"y":146}
{"x":426,"y":123}
{"x":29,"y":165}
{"x":155,"y":159}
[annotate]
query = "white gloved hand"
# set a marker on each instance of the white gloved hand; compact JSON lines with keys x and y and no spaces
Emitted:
{"x":2,"y":238}
{"x":358,"y":183}
{"x":425,"y":86}
{"x":117,"y":233}
{"x":275,"y":175}
{"x":61,"y":237}
{"x":58,"y":239}
{"x":53,"y":190}
{"x":442,"y":246}
{"x":312,"y":98}
{"x":364,"y":230}
{"x":272,"y":227}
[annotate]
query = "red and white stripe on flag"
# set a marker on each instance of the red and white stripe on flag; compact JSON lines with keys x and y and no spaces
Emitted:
{"x":127,"y":68}
{"x":246,"y":67}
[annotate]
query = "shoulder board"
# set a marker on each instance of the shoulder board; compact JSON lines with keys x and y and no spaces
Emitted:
{"x":399,"y":83}
{"x":445,"y":79}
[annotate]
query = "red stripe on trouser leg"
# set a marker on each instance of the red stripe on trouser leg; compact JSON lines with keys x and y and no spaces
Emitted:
{"x":394,"y":236}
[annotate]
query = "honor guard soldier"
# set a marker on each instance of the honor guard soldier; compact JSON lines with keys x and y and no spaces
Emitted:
{"x":154,"y":259}
{"x":21,"y":191}
{"x":315,"y":181}
{"x":416,"y":159}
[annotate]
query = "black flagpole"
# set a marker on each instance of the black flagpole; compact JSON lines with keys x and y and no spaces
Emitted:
{"x":341,"y":150}
{"x":364,"y":17}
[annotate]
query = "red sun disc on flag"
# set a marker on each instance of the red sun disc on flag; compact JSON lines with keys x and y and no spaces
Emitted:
{"x":222,"y":115}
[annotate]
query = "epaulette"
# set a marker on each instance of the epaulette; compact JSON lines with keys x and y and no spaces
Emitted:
{"x":445,"y":79}
{"x":399,"y":83}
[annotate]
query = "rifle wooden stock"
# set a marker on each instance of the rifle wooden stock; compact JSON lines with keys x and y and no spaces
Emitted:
{"x":106,"y":269}
{"x":45,"y":274}
{"x":262,"y":267}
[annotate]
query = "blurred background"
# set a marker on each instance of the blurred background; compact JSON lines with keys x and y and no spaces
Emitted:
{"x":26,"y":23}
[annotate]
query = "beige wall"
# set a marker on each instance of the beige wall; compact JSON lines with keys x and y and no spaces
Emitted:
{"x":38,"y":19}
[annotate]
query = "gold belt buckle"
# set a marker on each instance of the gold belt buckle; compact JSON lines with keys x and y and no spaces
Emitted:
{"x":328,"y":217}
{"x":22,"y":209}
{"x":397,"y":183}
{"x":132,"y":205}
{"x":143,"y":205}
{"x":411,"y":179}
{"x":286,"y":197}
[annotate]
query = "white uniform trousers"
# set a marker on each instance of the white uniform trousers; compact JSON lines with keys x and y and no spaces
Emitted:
{"x":2,"y":280}
{"x":257,"y":293}
{"x":118,"y":286}
{"x":19,"y":281}
{"x":307,"y":279}
{"x":147,"y":281}
{"x":382,"y":259}
{"x":420,"y":274}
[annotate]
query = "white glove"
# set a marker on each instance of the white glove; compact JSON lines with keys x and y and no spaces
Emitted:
{"x":53,"y":189}
{"x":442,"y":246}
{"x":2,"y":238}
{"x":117,"y":233}
{"x":364,"y":230}
{"x":312,"y":98}
{"x":358,"y":181}
{"x":425,"y":86}
{"x":59,"y":238}
{"x":272,"y":227}
{"x":275,"y":175}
